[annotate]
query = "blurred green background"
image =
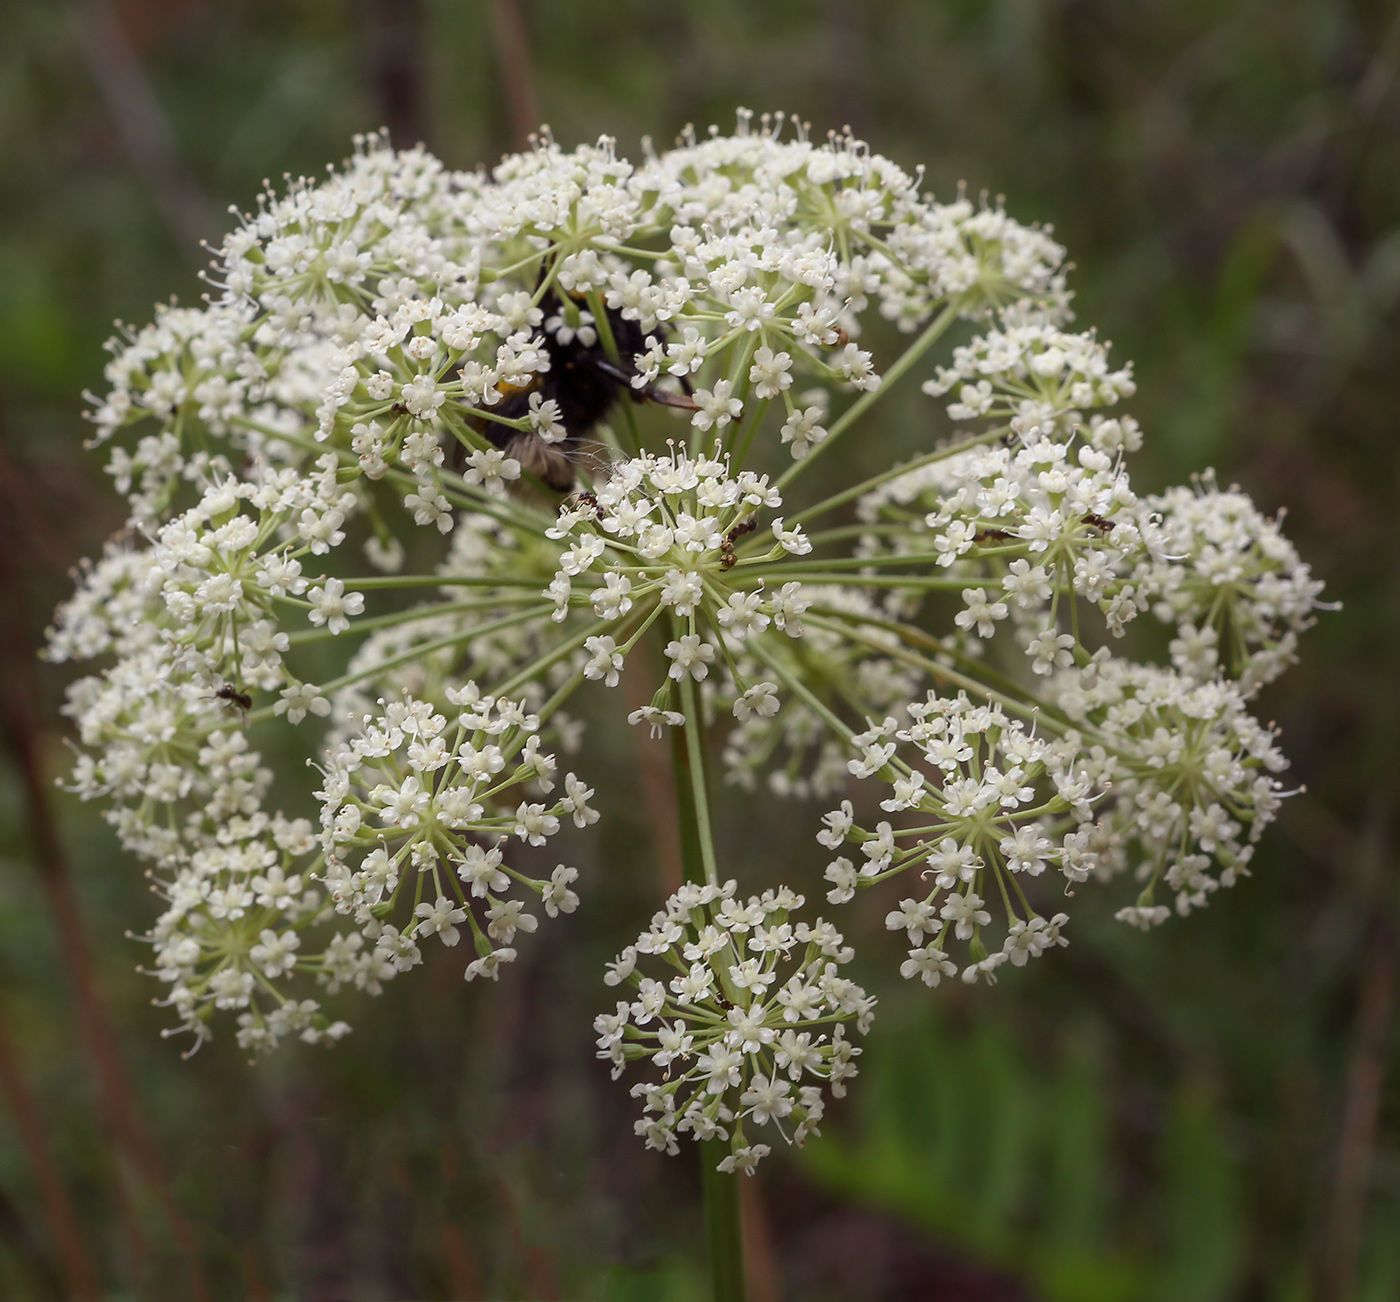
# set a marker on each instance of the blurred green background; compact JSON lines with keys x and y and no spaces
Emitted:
{"x":1206,"y":1113}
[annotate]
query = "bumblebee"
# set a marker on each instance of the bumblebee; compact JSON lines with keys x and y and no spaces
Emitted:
{"x":583,"y":381}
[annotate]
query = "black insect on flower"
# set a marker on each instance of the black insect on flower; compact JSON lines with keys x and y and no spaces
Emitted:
{"x":230,"y":695}
{"x":583,"y":382}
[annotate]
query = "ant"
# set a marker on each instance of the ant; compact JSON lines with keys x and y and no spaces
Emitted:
{"x":986,"y":535}
{"x":230,"y":695}
{"x":726,"y":548}
{"x":1099,"y":523}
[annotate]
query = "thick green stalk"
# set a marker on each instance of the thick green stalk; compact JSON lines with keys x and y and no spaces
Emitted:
{"x":724,"y":1231}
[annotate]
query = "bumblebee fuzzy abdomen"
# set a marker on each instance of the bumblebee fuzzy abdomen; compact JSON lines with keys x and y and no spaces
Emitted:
{"x":584,"y":384}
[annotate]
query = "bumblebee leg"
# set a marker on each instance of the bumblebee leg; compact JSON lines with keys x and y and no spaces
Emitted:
{"x":648,"y":393}
{"x":683,"y":401}
{"x":612,"y":370}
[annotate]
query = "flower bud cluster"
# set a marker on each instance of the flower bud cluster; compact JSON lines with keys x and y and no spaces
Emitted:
{"x":1189,"y":776}
{"x":982,"y":805}
{"x":1230,"y":582}
{"x":416,"y":812}
{"x":746,"y":1027}
{"x":216,"y":582}
{"x":185,"y":792}
{"x":1031,"y":376}
{"x":1032,"y":530}
{"x":658,"y":537}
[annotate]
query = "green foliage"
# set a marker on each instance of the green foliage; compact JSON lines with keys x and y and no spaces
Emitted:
{"x":1007,"y":1150}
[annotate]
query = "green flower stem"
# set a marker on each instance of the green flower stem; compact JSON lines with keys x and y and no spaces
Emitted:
{"x":566,"y":690}
{"x":866,"y":485}
{"x":929,"y":582}
{"x":798,"y":688}
{"x":839,"y":533}
{"x":560,"y":652}
{"x":861,"y":405}
{"x":699,"y":780}
{"x":724,"y":1230}
{"x":423,"y":649}
{"x":743,"y":439}
{"x":414,"y":613}
{"x":858,"y":563}
{"x":991,"y":684}
{"x":605,"y":336}
{"x":1031,"y":710}
{"x":692,"y":864}
{"x":365,"y":582}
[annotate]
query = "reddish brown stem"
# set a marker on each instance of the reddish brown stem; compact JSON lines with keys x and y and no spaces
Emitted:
{"x":1357,"y":1143}
{"x":63,"y":1223}
{"x":760,"y":1261}
{"x":516,"y":70}
{"x":395,"y":40}
{"x":655,"y":779}
{"x":19,"y":690}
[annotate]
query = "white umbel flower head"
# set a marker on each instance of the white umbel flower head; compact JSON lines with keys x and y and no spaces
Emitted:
{"x":748,"y":1026}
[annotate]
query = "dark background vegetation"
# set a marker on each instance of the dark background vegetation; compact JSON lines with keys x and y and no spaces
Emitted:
{"x":1206,"y":1113}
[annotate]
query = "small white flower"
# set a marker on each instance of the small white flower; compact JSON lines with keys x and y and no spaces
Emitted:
{"x":611,"y":600}
{"x":717,"y":406}
{"x":332,"y":605}
{"x":605,"y":660}
{"x":490,"y":965}
{"x":742,"y":615}
{"x":439,"y":919}
{"x":301,"y":699}
{"x":770,"y":373}
{"x":656,"y":719}
{"x":744,"y":1160}
{"x":980,"y":613}
{"x":760,"y":700}
{"x":766,"y":1099}
{"x":533,"y":824}
{"x":967,"y":912}
{"x":557,"y":896}
{"x":1029,"y":585}
{"x":275,"y":954}
{"x":490,"y":467}
{"x":929,"y":964}
{"x":689,"y":655}
{"x":803,"y":429}
{"x":1144,"y":917}
{"x":682,"y":590}
{"x":793,"y":541}
{"x":545,"y":420}
{"x":788,"y":608}
{"x":1050,"y":650}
